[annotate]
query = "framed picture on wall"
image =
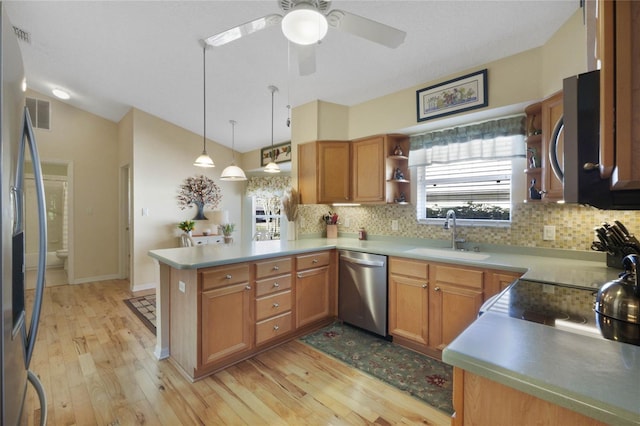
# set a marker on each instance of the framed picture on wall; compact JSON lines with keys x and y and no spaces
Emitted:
{"x":281,"y":153}
{"x":453,"y":96}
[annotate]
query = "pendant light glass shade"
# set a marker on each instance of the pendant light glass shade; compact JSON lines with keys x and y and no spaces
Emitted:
{"x":272,"y":167}
{"x":304,"y":25}
{"x":203,"y":159}
{"x":233,"y":172}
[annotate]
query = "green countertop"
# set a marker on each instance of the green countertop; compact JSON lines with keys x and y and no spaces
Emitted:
{"x":597,"y":377}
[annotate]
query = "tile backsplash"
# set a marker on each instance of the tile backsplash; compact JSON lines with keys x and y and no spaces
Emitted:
{"x":574,"y":224}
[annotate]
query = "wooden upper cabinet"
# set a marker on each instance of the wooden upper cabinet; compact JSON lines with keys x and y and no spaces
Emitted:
{"x":368,"y":180}
{"x":552,"y":109}
{"x":619,"y":54}
{"x":324,"y":172}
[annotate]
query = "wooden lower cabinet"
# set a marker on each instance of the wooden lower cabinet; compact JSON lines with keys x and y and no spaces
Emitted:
{"x":480,"y":401}
{"x":315,"y":294}
{"x":408,"y":301}
{"x":430,"y":303}
{"x":226,"y":322}
{"x":455,"y":297}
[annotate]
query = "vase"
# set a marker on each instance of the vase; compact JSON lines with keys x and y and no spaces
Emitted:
{"x":291,"y":231}
{"x":200,"y":213}
{"x":228,"y":239}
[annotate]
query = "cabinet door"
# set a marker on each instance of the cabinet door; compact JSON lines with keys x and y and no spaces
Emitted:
{"x":367,"y":158}
{"x":451,"y":310}
{"x":312,"y":295}
{"x":498,"y":281}
{"x":552,"y":109}
{"x":333,"y":172}
{"x":227,"y":324}
{"x":408,"y":308}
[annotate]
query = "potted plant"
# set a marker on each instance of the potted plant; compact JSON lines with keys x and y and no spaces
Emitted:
{"x":227,"y":230}
{"x":187,"y":226}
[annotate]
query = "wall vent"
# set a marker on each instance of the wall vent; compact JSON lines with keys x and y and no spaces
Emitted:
{"x":40,"y":112}
{"x":22,"y":34}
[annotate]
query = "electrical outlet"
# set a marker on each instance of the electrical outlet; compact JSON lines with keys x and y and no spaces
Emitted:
{"x":347,"y":222}
{"x":549,"y":233}
{"x":547,"y":288}
{"x":182,"y":286}
{"x":394,"y":225}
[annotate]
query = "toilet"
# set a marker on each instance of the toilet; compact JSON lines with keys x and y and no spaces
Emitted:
{"x":64,"y":255}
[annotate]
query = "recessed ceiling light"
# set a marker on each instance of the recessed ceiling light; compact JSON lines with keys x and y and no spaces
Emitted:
{"x":61,"y":94}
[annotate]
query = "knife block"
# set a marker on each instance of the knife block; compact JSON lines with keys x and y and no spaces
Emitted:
{"x":332,"y":231}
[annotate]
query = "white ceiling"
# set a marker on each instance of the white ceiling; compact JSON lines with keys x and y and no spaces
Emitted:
{"x":114,"y":55}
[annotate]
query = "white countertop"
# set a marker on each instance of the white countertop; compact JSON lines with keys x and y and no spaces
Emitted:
{"x":597,"y":377}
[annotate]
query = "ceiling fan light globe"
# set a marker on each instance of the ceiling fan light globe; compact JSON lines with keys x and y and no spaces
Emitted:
{"x":272,"y":168}
{"x":233,"y":172}
{"x":304,"y":25}
{"x":204,"y":160}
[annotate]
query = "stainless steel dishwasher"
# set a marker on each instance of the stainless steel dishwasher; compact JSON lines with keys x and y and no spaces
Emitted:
{"x":362,"y":295}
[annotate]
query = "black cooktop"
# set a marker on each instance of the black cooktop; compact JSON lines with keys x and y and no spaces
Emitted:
{"x":565,"y":308}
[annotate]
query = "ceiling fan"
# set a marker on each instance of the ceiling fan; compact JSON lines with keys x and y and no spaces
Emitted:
{"x":305,"y":23}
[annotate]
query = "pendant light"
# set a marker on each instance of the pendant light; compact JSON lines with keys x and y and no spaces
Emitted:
{"x":272,"y":167}
{"x":233,"y":172}
{"x":204,"y":160}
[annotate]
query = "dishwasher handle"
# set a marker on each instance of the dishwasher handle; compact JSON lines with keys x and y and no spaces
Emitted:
{"x":377,"y":263}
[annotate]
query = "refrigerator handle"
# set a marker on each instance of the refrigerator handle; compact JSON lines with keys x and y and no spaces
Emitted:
{"x":42,"y":238}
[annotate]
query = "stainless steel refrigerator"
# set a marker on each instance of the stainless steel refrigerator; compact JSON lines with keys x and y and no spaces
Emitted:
{"x":17,"y":148}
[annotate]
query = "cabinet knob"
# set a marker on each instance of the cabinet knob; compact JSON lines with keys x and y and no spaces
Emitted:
{"x":314,"y":261}
{"x":299,"y":275}
{"x":590,"y":166}
{"x":228,"y":276}
{"x":248,"y":287}
{"x":276,"y":305}
{"x":276,"y":285}
{"x":276,"y":327}
{"x":424,"y":286}
{"x":275,"y":268}
{"x":437,"y":289}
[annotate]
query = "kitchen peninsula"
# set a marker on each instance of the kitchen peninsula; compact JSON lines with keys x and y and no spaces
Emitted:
{"x":183,"y":270}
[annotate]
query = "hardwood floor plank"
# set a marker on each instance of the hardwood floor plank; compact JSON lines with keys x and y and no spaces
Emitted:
{"x":95,"y":360}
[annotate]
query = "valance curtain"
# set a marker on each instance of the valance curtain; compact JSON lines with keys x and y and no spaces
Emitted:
{"x":268,"y":186}
{"x":501,"y":138}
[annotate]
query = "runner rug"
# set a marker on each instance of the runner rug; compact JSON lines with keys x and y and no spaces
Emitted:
{"x":145,"y":308}
{"x":423,"y":377}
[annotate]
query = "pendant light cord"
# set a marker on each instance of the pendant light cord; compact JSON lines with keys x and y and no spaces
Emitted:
{"x":233,"y":141}
{"x":272,"y":92}
{"x":204,"y":96}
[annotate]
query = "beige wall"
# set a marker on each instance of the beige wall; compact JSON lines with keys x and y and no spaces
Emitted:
{"x":90,"y":145}
{"x":163,"y":156}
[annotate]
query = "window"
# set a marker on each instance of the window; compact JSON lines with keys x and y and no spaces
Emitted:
{"x":474,"y":170}
{"x":266,"y":218}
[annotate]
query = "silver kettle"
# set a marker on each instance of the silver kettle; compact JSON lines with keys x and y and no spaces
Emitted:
{"x":618,"y":304}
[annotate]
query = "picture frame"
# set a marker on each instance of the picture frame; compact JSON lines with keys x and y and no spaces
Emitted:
{"x":282,"y":153}
{"x":453,"y":96}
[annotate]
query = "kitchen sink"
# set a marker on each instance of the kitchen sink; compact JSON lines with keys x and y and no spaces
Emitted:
{"x":448,"y":253}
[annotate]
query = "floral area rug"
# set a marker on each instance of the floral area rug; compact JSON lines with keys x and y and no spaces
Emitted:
{"x":145,"y":308}
{"x":423,"y":377}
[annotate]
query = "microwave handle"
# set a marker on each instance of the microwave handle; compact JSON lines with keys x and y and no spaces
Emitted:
{"x":553,"y":149}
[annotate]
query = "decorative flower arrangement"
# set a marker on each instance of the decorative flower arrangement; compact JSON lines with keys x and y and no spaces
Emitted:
{"x":330,"y":218}
{"x":290,"y":202}
{"x":227,"y":228}
{"x":187,"y":225}
{"x":200,"y":191}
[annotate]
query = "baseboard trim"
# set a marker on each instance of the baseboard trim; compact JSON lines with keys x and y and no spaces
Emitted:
{"x":92,"y":279}
{"x":141,"y":287}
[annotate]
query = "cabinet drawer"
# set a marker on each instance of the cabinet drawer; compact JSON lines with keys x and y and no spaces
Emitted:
{"x":313,"y":260}
{"x":273,"y":267}
{"x":219,"y":277}
{"x":409,"y":268}
{"x":275,"y":304}
{"x":273,"y":327}
{"x":458,"y":276}
{"x":272,"y":285}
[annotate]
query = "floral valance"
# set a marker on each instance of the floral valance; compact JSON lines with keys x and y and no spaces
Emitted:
{"x":501,"y":138}
{"x":267,"y":186}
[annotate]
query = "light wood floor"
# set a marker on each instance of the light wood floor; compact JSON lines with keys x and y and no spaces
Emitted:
{"x":95,"y":360}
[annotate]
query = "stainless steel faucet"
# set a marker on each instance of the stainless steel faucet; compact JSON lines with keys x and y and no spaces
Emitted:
{"x":454,"y":231}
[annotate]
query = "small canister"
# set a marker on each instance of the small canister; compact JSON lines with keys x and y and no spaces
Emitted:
{"x":362,"y":234}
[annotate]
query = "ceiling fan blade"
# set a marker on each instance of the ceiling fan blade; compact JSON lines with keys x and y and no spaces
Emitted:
{"x":243,"y":30}
{"x":366,"y":28}
{"x":306,"y":58}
